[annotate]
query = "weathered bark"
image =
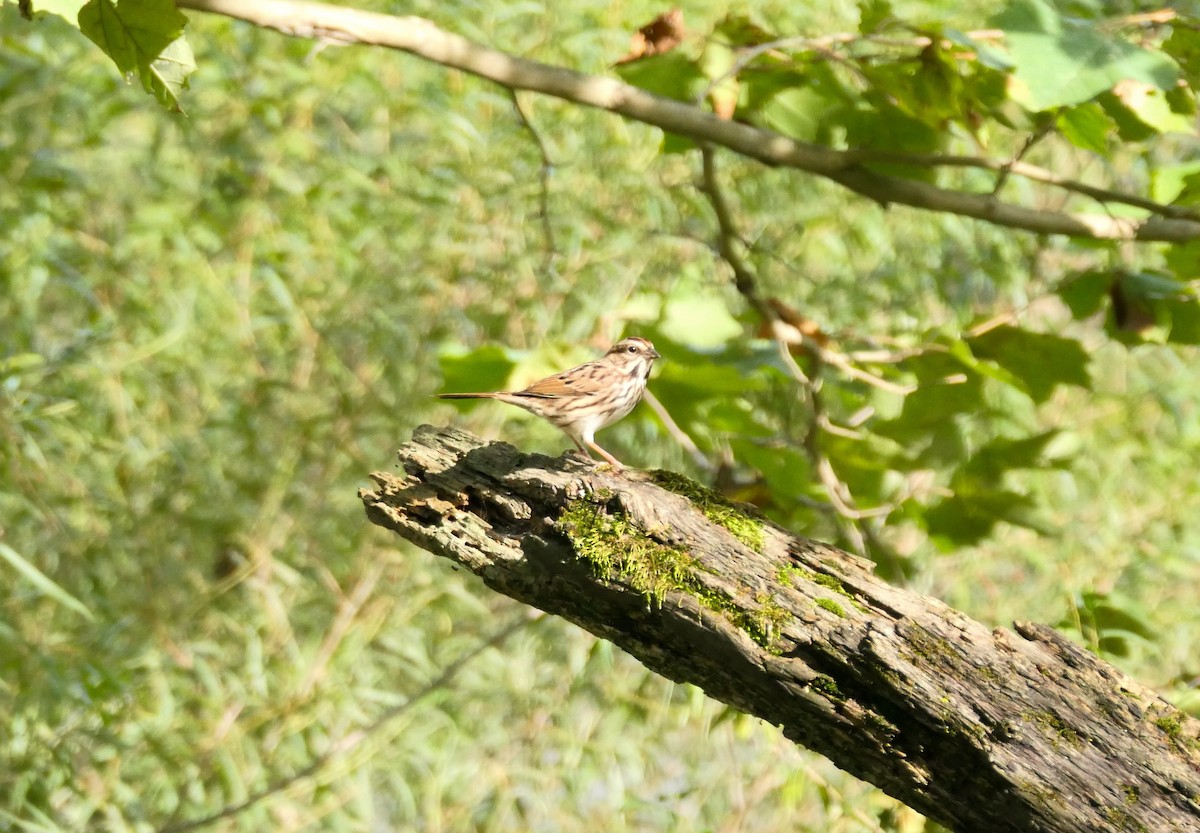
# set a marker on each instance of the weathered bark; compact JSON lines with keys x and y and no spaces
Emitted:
{"x":981,"y":730}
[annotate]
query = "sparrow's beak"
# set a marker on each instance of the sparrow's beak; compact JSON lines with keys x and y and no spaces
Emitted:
{"x":654,"y":354}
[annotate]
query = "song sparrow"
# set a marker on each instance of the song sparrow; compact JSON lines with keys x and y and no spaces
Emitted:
{"x":584,"y":399}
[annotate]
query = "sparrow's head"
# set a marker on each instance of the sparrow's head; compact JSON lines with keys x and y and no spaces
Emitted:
{"x":633,"y":354}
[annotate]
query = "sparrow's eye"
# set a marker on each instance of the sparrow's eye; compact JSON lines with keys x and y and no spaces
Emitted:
{"x":632,"y":348}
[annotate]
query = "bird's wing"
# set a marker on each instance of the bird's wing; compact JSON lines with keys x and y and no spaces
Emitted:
{"x":577,"y":381}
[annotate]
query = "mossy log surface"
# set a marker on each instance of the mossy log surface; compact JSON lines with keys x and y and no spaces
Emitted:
{"x":982,"y":730}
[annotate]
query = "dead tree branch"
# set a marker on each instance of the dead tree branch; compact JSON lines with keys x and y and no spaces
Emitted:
{"x":982,"y":730}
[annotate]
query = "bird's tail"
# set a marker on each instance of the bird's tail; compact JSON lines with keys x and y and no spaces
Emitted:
{"x":466,"y":396}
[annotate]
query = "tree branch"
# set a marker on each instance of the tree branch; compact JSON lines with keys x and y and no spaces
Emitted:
{"x":981,"y":730}
{"x":424,"y":39}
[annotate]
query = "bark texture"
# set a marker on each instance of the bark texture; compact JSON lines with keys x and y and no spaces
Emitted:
{"x":1003,"y":731}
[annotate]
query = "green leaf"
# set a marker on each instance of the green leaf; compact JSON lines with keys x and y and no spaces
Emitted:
{"x":946,"y":388}
{"x":143,"y":37}
{"x":805,"y":106}
{"x":1184,"y":260}
{"x":1087,"y":126}
{"x":1039,"y":360}
{"x":742,"y":30}
{"x":699,"y":319}
{"x":987,"y":54}
{"x":1103,"y":619}
{"x":1005,"y":454}
{"x":717,"y":62}
{"x":1061,"y":61}
{"x":671,"y":74}
{"x":970,"y":516}
{"x":1184,"y":46}
{"x":873,"y":15}
{"x":1179,"y":184}
{"x":20,"y":362}
{"x":707,"y":394}
{"x":1109,"y":617}
{"x":1182,"y":100}
{"x":480,"y":370}
{"x":169,"y":74}
{"x":1129,"y":127}
{"x":1190,"y":194}
{"x":861,"y":464}
{"x":735,"y":417}
{"x":705,"y":378}
{"x":1085,"y":293}
{"x":1184,"y":324}
{"x":891,"y":129}
{"x":1116,"y":646}
{"x":1153,"y":286}
{"x":43,"y":582}
{"x":1150,"y":106}
{"x":786,"y":470}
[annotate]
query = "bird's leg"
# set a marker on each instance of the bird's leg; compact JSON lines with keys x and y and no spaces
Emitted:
{"x":616,"y":464}
{"x":579,"y":446}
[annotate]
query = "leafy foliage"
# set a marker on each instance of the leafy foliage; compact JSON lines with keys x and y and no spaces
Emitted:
{"x":215,"y":326}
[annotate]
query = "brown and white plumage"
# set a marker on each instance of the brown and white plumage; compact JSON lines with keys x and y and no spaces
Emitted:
{"x":584,"y":399}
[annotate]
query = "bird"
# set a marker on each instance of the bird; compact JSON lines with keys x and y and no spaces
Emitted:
{"x":584,"y":399}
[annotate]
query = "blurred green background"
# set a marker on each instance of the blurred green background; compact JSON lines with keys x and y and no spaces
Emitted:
{"x":214,"y":325}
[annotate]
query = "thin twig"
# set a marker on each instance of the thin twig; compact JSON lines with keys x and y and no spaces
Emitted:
{"x":355,"y":739}
{"x":544,"y":174}
{"x":1026,"y":146}
{"x":846,"y":514}
{"x":727,"y":236}
{"x":678,"y":434}
{"x":841,"y":363}
{"x":1034,"y":173}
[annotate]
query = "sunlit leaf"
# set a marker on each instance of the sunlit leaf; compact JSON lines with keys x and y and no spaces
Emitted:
{"x":169,"y":74}
{"x":1149,"y":105}
{"x":786,"y":470}
{"x":1107,"y":621}
{"x":706,"y":377}
{"x":797,"y":112}
{"x":699,"y":319}
{"x":1087,"y":126}
{"x":482,"y":369}
{"x":42,"y":582}
{"x":672,"y":75}
{"x":1179,"y":183}
{"x":807,"y":106}
{"x":142,"y":36}
{"x":717,"y":62}
{"x":1064,"y":61}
